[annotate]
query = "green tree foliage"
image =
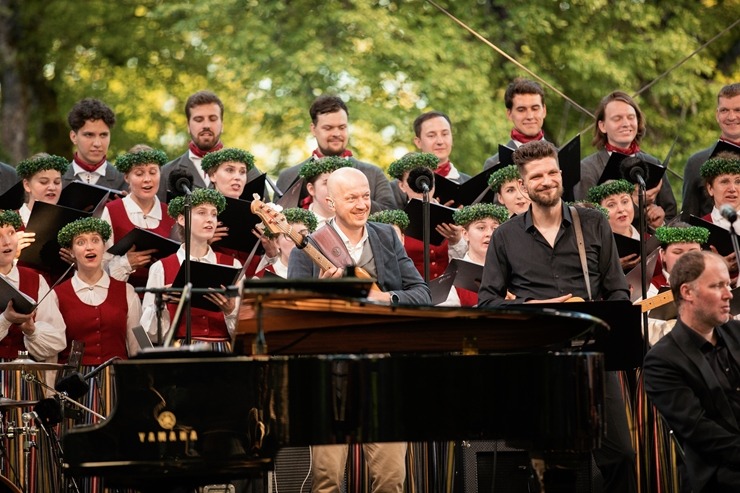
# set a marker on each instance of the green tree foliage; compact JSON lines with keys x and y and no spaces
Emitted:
{"x":391,"y":60}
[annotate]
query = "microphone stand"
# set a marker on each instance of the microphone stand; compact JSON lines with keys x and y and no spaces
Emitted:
{"x":426,"y":213}
{"x":733,"y":236}
{"x":186,"y":212}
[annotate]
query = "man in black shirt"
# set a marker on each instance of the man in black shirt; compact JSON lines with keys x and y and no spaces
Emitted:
{"x":692,"y":374}
{"x":535,"y":257}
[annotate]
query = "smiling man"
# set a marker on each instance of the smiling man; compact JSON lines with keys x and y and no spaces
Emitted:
{"x":695,"y":198}
{"x":90,"y":122}
{"x":205,"y":114}
{"x":525,"y":108}
{"x":330,"y":128}
{"x":535,"y":257}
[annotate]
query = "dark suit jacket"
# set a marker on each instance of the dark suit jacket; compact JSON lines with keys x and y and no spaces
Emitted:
{"x":592,"y":166}
{"x":113,"y":178}
{"x":8,"y":177}
{"x":696,"y":200}
{"x":380,"y":191}
{"x":396,"y":271}
{"x":183,"y":163}
{"x":681,"y":384}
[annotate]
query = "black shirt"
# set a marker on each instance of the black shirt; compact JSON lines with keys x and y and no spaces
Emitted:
{"x":521,"y":260}
{"x":724,"y":367}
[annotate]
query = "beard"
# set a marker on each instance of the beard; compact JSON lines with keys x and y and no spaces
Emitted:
{"x":547,"y":200}
{"x":206,"y":142}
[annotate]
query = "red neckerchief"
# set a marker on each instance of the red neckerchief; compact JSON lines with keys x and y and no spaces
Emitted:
{"x":89,"y":167}
{"x":520,"y":137}
{"x":444,"y":169}
{"x":317,"y":153}
{"x":730,"y":141}
{"x":200,"y":152}
{"x":633,"y":149}
{"x":306,"y":202}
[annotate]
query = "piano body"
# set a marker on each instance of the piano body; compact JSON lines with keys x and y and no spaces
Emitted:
{"x":190,"y":418}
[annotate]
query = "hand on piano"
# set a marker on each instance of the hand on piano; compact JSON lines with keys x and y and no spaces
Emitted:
{"x":559,"y":299}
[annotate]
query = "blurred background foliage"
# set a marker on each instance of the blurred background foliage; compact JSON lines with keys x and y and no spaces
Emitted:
{"x":389,"y":59}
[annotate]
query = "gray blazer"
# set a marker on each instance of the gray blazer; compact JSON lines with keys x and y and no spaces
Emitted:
{"x":8,"y":177}
{"x":680,"y":382}
{"x":113,"y":178}
{"x":396,"y":271}
{"x":380,"y":190}
{"x":183,"y":163}
{"x":493,"y":160}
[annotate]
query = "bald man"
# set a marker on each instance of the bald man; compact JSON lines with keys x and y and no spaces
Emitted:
{"x":376,"y":248}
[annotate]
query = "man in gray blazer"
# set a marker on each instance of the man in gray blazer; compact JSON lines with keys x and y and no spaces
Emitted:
{"x":205,"y":114}
{"x":330,"y":127}
{"x":90,"y":122}
{"x":692,"y":374}
{"x":376,"y":248}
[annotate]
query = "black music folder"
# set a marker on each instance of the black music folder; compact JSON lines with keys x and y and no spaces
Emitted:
{"x":459,"y":273}
{"x":255,"y":186}
{"x":719,"y":237}
{"x":505,"y":155}
{"x":240,"y":220}
{"x":292,"y":196}
{"x":723,"y":146}
{"x":569,"y":159}
{"x":438,"y":214}
{"x":86,"y":197}
{"x":22,"y":303}
{"x":145,"y":240}
{"x":611,"y":170}
{"x":46,"y":220}
{"x":13,"y":197}
{"x":203,"y":275}
{"x":627,"y":245}
{"x":470,"y":192}
{"x":634,"y":277}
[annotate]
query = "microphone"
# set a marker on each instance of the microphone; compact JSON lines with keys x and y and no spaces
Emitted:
{"x":48,"y":411}
{"x":729,"y":213}
{"x":180,"y":182}
{"x":420,"y":179}
{"x":633,"y":168}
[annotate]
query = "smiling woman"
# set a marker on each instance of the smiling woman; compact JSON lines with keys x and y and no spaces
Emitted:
{"x":139,"y":209}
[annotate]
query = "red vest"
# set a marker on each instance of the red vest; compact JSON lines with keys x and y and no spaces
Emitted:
{"x":122,"y":225}
{"x":13,"y":342}
{"x":242,"y":257}
{"x":205,"y":325}
{"x":438,"y":256}
{"x":467,"y":297}
{"x":102,"y":328}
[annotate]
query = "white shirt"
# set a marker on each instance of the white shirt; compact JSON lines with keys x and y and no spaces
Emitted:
{"x":25,"y":213}
{"x":197,"y":163}
{"x":355,"y":251}
{"x":156,"y":280}
{"x":87,"y":176}
{"x":722,"y":222}
{"x":49,"y":339}
{"x":117,"y":265}
{"x":96,"y":294}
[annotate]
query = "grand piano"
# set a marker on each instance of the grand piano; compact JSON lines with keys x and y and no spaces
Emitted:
{"x":190,"y":417}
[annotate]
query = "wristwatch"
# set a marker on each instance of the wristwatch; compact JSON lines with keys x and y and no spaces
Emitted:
{"x":394,"y":299}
